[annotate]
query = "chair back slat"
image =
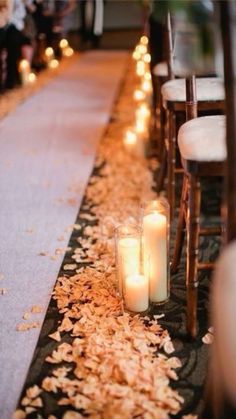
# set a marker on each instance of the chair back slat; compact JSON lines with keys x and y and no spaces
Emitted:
{"x":169,"y":48}
{"x":191,"y":97}
{"x":228,"y":30}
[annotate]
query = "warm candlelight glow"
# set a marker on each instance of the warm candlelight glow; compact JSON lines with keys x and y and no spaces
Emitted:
{"x":143,"y":112}
{"x":32,"y":77}
{"x":146,"y":86}
{"x":147,"y":58}
{"x":136,"y":55}
{"x":24,"y":65}
{"x":53,"y":64}
{"x":142,"y":49}
{"x":130,"y":137}
{"x":63,"y":43}
{"x":49,"y":52}
{"x":147,"y":75}
{"x":24,"y":69}
{"x":144,"y":40}
{"x":68,"y":52}
{"x":140,"y":68}
{"x":133,"y":143}
{"x":136,"y":293}
{"x":139,"y":95}
{"x":140,"y":126}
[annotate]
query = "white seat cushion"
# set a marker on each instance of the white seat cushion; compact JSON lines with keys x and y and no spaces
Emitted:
{"x":203,"y":139}
{"x":160,"y":69}
{"x":208,"y":88}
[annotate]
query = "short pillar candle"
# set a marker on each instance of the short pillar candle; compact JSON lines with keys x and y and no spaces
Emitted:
{"x":132,"y":283}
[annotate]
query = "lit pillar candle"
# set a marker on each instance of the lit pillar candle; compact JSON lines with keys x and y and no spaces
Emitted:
{"x":49,"y":54}
{"x":144,"y":40}
{"x":143,"y":112}
{"x":133,"y":143}
{"x":139,"y":95}
{"x":155,"y":255}
{"x":63,"y":44}
{"x":136,"y":293}
{"x":24,"y":69}
{"x":128,"y":249}
{"x":140,"y":68}
{"x":53,"y":64}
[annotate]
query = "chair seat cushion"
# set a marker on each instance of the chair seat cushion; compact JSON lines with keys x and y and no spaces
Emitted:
{"x":203,"y":139}
{"x":208,"y":89}
{"x":160,"y":69}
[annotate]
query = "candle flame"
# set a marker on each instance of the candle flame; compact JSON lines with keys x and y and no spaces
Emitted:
{"x":24,"y":64}
{"x":130,"y":137}
{"x":147,"y":58}
{"x":144,"y":40}
{"x":53,"y":64}
{"x":49,"y":52}
{"x":63,"y":43}
{"x":68,"y":52}
{"x":32,"y":78}
{"x":139,"y":95}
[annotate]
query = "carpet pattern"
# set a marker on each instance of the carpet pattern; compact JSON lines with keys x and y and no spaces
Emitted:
{"x":193,"y":354}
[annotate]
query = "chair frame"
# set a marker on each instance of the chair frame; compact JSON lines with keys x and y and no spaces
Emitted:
{"x":189,"y":216}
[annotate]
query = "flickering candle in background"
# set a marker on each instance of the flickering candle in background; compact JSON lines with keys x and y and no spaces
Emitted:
{"x":128,"y":252}
{"x":68,"y":52}
{"x":130,"y":141}
{"x":139,"y":95}
{"x":155,"y":223}
{"x":136,"y":293}
{"x":63,"y":44}
{"x":147,"y":58}
{"x":53,"y":64}
{"x":32,"y":78}
{"x":24,"y":69}
{"x":141,"y":130}
{"x":147,"y":87}
{"x":143,"y":112}
{"x":140,"y":68}
{"x":136,"y":55}
{"x":133,"y":143}
{"x":49,"y":54}
{"x":144,"y":40}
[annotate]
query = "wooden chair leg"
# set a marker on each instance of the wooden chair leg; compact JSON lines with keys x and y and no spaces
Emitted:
{"x":162,"y":171}
{"x":162,"y":150}
{"x":171,"y":164}
{"x":193,"y":227}
{"x":180,"y":232}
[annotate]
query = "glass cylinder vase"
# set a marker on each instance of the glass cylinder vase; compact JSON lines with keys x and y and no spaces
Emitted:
{"x":132,"y":281}
{"x":156,"y":235}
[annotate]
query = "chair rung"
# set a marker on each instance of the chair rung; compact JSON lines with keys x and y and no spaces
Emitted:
{"x":205,"y":266}
{"x":210,"y":231}
{"x":179,"y":170}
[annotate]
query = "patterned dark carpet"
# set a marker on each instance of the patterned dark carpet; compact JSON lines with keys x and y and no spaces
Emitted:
{"x":193,"y":354}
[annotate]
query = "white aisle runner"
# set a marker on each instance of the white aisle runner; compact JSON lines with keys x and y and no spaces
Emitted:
{"x":47,"y":150}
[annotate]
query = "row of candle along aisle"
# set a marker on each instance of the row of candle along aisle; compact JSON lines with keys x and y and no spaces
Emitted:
{"x":142,"y":250}
{"x":136,"y":137}
{"x":29,"y":77}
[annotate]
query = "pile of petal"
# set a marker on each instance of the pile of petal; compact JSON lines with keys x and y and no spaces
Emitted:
{"x":106,"y":363}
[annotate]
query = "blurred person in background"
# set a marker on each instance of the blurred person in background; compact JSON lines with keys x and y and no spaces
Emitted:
{"x":92,"y":16}
{"x":13,"y":39}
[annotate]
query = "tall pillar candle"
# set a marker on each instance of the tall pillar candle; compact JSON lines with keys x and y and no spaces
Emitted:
{"x":156,"y":255}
